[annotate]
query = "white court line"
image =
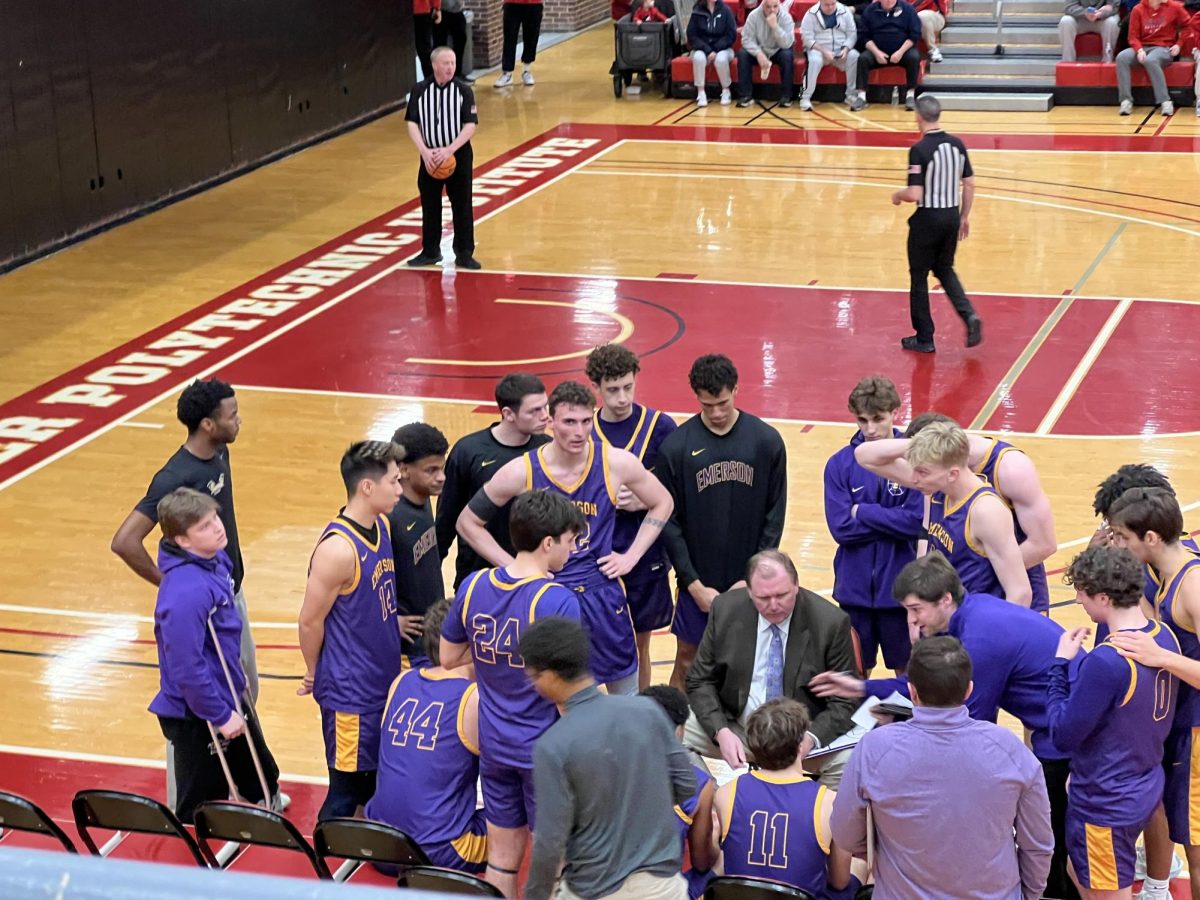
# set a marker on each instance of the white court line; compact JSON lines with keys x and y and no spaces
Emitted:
{"x":140,"y":425}
{"x":791,"y":179}
{"x":1084,"y":366}
{"x":77,"y":756}
{"x":270,"y":336}
{"x":964,"y":135}
{"x":594,"y":276}
{"x":359,"y":395}
{"x":124,"y":618}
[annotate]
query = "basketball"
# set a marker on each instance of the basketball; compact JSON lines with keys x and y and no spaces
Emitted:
{"x":445,"y":170}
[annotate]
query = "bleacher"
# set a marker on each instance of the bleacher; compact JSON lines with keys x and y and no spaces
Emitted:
{"x":883,"y":79}
{"x":1091,"y":81}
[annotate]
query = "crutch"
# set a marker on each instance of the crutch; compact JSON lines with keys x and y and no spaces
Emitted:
{"x":227,"y":852}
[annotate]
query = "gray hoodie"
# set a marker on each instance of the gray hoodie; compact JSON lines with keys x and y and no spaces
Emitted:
{"x":814,"y":33}
{"x":758,"y":35}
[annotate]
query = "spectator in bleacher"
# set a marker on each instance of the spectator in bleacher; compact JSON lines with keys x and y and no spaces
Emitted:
{"x":933,"y":15}
{"x":890,"y":31}
{"x":1192,"y":46}
{"x":767,"y":38}
{"x":829,"y":35}
{"x":1156,"y":34}
{"x":711,"y":32}
{"x":524,"y":17}
{"x":1084,"y":17}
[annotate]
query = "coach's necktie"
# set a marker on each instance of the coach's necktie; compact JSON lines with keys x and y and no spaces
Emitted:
{"x":774,"y":679}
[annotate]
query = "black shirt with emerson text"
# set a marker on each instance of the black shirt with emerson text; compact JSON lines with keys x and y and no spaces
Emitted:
{"x":418,"y":565}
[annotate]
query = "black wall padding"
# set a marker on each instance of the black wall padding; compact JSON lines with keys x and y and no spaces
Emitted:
{"x":108,"y":107}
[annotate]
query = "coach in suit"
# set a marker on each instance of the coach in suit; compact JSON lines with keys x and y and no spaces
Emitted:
{"x":763,"y":641}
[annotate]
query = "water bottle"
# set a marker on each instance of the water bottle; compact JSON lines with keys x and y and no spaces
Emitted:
{"x":895,"y":96}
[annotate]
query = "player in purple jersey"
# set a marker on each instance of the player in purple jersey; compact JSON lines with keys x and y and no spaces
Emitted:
{"x":1109,"y":491}
{"x":349,"y":631}
{"x":620,"y":422}
{"x":491,"y":610}
{"x":429,"y":758}
{"x":589,"y":474}
{"x":1140,"y":520}
{"x":695,"y":813}
{"x":1113,"y":720}
{"x":1015,"y":479}
{"x":876,"y":523}
{"x":775,"y":819}
{"x":968,"y":522}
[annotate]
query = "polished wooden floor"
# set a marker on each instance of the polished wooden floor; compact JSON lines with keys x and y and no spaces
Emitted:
{"x":770,"y":233}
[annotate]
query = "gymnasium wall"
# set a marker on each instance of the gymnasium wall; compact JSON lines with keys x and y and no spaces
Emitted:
{"x":108,"y":107}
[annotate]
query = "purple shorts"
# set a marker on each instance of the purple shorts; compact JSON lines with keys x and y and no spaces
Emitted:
{"x":1103,"y":856}
{"x":690,"y":621}
{"x":881,"y":628}
{"x":1182,"y":790}
{"x":507,"y":795}
{"x":650,"y":602}
{"x":351,"y":740}
{"x":466,"y":853}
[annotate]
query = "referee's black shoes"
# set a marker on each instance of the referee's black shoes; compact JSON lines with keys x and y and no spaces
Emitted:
{"x":423,"y":259}
{"x":467,"y":262}
{"x":974,"y":331}
{"x":917,"y":345}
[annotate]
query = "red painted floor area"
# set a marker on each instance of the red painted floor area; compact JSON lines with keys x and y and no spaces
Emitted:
{"x":51,"y":783}
{"x":799,"y":349}
{"x":1146,"y":375}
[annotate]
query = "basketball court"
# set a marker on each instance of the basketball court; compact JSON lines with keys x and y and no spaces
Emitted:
{"x":760,"y":233}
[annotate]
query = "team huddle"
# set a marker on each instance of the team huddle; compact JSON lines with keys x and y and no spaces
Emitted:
{"x":567,"y":544}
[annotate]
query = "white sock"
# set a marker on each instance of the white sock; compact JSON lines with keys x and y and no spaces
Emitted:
{"x":1154,"y":889}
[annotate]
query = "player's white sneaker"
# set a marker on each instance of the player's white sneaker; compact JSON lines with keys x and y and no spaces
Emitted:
{"x":1126,"y":107}
{"x":504,"y":80}
{"x":701,"y":98}
{"x":527,"y":78}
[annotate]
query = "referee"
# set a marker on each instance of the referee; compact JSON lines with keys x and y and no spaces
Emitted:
{"x":441,"y":122}
{"x":936,"y":165}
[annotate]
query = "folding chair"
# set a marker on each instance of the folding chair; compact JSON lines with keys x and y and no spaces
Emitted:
{"x":19,"y":814}
{"x":244,"y":823}
{"x":124,"y":813}
{"x":738,"y":887}
{"x":447,"y":881}
{"x":359,"y":840}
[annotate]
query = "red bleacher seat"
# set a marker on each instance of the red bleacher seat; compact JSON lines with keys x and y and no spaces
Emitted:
{"x":1180,"y":74}
{"x":1088,"y":45}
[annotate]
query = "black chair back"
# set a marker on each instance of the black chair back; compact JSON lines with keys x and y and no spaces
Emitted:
{"x":361,"y":840}
{"x":19,"y":814}
{"x":123,"y":811}
{"x":866,"y":892}
{"x":244,"y":823}
{"x":738,"y":887}
{"x":447,"y":881}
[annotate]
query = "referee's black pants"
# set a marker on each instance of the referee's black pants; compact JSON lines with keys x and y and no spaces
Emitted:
{"x":458,"y":189}
{"x":525,"y":18}
{"x":932,"y":240}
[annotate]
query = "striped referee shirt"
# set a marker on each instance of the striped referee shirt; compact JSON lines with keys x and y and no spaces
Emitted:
{"x":441,"y":110}
{"x":938,"y":162}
